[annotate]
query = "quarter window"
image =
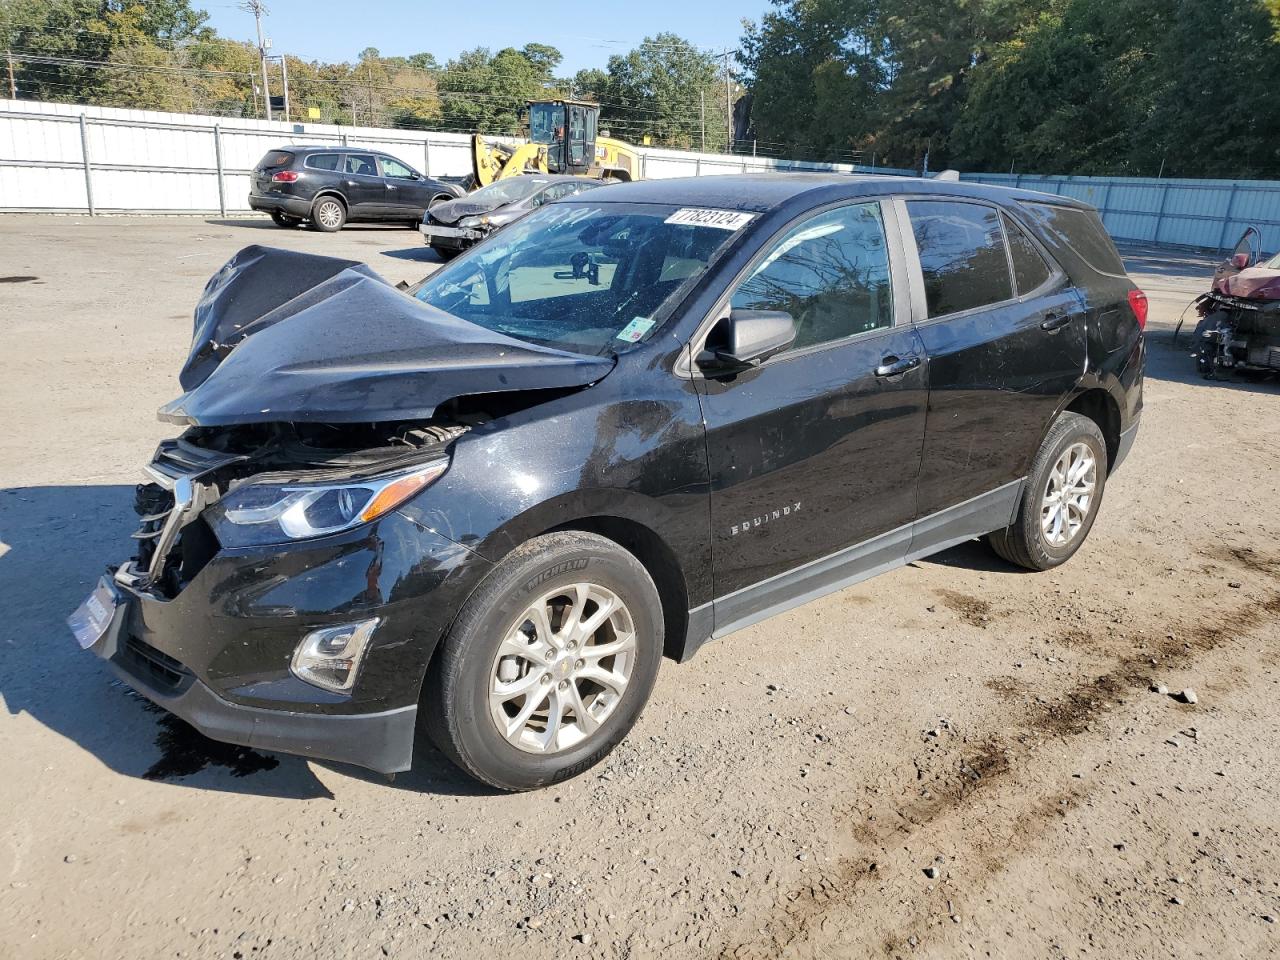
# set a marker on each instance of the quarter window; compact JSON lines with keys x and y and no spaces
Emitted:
{"x":1029,"y":268}
{"x":323,"y":161}
{"x":361,"y":164}
{"x":396,"y":169}
{"x":962,"y":255}
{"x":831,"y":273}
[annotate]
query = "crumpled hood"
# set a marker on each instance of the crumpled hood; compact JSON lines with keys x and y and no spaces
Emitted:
{"x":291,"y":337}
{"x":451,"y":211}
{"x":1255,"y":283}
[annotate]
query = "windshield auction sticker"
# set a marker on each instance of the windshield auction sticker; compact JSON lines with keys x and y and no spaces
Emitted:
{"x":634,"y":330}
{"x":720,"y":219}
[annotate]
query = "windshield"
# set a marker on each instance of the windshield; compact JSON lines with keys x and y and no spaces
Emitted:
{"x":510,"y":190}
{"x":586,"y":278}
{"x":543,"y":120}
{"x":1273,"y":263}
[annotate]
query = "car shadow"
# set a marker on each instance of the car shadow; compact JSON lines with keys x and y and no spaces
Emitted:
{"x":970,"y":555}
{"x":54,"y":544}
{"x":266,"y":223}
{"x":423,"y":254}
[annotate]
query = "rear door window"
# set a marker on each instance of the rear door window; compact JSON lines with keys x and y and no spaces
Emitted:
{"x":323,"y":161}
{"x":962,"y":255}
{"x":831,"y":273}
{"x":1029,"y":268}
{"x":1082,"y":231}
{"x":361,"y":164}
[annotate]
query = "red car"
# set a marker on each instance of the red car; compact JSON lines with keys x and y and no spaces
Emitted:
{"x":1239,"y":328}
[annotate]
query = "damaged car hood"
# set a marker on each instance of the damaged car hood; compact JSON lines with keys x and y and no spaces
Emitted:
{"x":291,"y":337}
{"x":1255,"y":283}
{"x":451,"y":211}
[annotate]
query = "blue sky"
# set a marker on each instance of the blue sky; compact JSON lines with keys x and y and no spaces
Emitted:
{"x":586,"y":33}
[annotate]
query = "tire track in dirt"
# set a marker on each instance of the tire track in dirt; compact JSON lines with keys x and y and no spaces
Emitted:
{"x":977,"y":767}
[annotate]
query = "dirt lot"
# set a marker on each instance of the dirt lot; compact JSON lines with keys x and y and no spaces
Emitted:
{"x":956,"y":759}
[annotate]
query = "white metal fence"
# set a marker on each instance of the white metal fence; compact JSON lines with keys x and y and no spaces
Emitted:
{"x":68,"y":158}
{"x":57,"y":157}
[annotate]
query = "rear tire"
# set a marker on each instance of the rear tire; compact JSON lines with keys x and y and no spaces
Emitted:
{"x":328,"y":215}
{"x":499,"y":677}
{"x":1056,"y":513}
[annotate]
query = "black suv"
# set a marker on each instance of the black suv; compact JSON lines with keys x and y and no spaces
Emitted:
{"x":634,"y":420}
{"x":329,"y":186}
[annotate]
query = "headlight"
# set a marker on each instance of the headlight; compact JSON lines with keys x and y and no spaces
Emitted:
{"x":260,"y":513}
{"x":473,"y":223}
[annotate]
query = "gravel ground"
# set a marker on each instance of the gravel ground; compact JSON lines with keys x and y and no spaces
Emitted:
{"x":954,"y":759}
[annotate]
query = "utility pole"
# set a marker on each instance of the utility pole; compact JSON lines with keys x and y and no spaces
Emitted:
{"x":258,"y":9}
{"x":728,"y":104}
{"x":284,"y":76}
{"x":702,"y":103}
{"x":13,"y":86}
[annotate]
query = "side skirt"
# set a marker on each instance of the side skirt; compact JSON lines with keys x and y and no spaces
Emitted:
{"x":990,"y":511}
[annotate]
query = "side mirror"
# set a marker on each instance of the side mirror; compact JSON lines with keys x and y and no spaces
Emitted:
{"x":1240,"y":261}
{"x":748,"y":339}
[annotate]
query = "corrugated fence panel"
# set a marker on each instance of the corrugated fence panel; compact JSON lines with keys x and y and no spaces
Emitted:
{"x":144,"y":160}
{"x":1194,"y":213}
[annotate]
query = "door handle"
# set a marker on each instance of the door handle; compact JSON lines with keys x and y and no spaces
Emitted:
{"x":1055,"y":321}
{"x":894,"y":366}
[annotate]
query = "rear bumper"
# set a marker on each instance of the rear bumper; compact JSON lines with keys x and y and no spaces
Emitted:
{"x":294,"y":206}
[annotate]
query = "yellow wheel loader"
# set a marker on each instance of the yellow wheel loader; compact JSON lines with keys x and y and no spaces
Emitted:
{"x":562,"y":139}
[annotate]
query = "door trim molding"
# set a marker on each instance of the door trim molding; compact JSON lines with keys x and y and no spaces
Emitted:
{"x":993,"y":510}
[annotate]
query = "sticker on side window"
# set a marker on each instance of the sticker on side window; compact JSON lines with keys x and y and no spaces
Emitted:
{"x":634,"y":330}
{"x":720,"y":219}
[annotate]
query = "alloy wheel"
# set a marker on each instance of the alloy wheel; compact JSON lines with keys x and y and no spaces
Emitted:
{"x":562,"y":668}
{"x":329,"y":213}
{"x":1068,"y":495}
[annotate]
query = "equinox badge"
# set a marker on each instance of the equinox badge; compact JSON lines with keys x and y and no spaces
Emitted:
{"x":763,"y":519}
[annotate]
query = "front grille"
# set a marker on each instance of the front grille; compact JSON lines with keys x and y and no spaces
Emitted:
{"x":153,"y":504}
{"x":153,"y":665}
{"x":1273,"y":358}
{"x":171,"y":503}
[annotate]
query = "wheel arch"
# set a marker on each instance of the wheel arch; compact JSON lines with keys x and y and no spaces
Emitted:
{"x":1101,"y":407}
{"x":330,"y":192}
{"x":661,"y":562}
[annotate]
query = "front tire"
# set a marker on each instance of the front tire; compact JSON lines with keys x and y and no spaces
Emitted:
{"x":445,"y":253}
{"x":328,"y":215}
{"x":549,"y":663}
{"x":1060,"y":499}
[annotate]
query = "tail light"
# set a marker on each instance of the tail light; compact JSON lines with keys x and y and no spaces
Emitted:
{"x":289,"y":176}
{"x":1138,"y":303}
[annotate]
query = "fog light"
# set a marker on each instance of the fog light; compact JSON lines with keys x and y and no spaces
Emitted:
{"x":330,"y":657}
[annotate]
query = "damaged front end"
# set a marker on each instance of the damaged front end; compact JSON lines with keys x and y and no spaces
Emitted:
{"x":1239,"y":326}
{"x":1236,"y":334}
{"x":276,"y":595}
{"x":217,"y":487}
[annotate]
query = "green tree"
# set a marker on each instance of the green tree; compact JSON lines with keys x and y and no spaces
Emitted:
{"x":816,"y":72}
{"x":660,"y":89}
